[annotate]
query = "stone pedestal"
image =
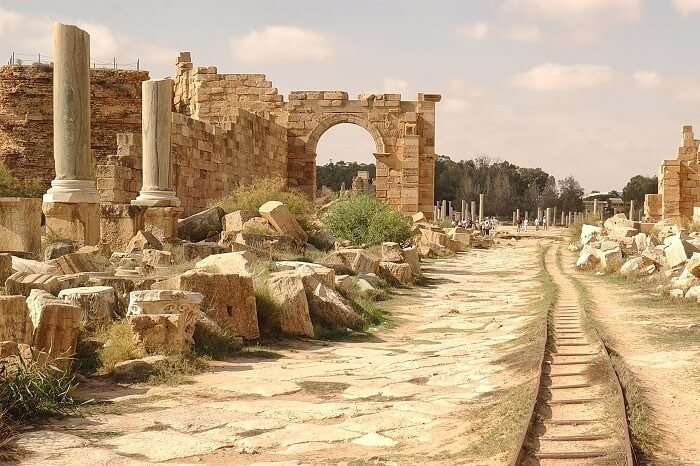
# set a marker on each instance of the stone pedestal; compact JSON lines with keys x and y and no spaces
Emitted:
{"x":20,"y":224}
{"x":161,"y":222}
{"x":119,"y":223}
{"x":75,"y":222}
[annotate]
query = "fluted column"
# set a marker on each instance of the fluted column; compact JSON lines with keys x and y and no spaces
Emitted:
{"x":481,"y":207}
{"x":158,"y":181}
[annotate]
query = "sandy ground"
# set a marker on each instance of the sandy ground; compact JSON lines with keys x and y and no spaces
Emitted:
{"x":652,"y":337}
{"x":444,"y":385}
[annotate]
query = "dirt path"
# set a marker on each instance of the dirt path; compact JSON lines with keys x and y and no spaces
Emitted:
{"x":650,"y":334}
{"x":445,"y":385}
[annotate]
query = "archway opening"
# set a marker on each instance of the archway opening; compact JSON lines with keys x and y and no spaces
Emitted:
{"x":345,"y":160}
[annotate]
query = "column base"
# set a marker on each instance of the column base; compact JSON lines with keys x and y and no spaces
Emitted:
{"x":72,"y":192}
{"x":162,"y":222}
{"x":78,"y":222}
{"x":118,"y":224}
{"x":148,"y":198}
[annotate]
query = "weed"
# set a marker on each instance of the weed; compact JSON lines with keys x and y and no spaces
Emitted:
{"x":120,"y":345}
{"x":176,"y":369}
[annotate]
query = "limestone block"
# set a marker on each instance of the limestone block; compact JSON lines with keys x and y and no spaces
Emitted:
{"x":641,"y":242}
{"x":96,"y":303}
{"x":418,"y":217}
{"x":330,"y":308}
{"x":235,"y":220}
{"x":675,"y":251}
{"x":15,"y":323}
{"x":119,"y":223}
{"x":163,"y":302}
{"x":610,"y":259}
{"x":693,"y":265}
{"x":590,"y":233}
{"x":228,"y":299}
{"x":20,"y":224}
{"x":5,"y":267}
{"x":202,"y":225}
{"x":411,"y":257}
{"x":396,"y":274}
{"x":391,"y":252}
{"x":143,"y":240}
{"x":122,"y":287}
{"x":632,"y":267}
{"x":588,"y":259}
{"x":288,"y":292}
{"x":201,"y":250}
{"x":325,"y":274}
{"x":164,"y":332}
{"x":23,"y":283}
{"x":460,"y":235}
{"x":685,"y":281}
{"x":239,"y":262}
{"x":353,"y":260}
{"x":78,"y":262}
{"x":663,"y":229}
{"x":282,"y":220}
{"x":78,"y":222}
{"x":12,"y":352}
{"x":157,"y":258}
{"x":58,"y":249}
{"x":56,"y":324}
{"x":162,"y":222}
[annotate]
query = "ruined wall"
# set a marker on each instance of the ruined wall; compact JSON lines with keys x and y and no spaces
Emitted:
{"x":679,"y":183}
{"x":209,"y":160}
{"x":26,"y":115}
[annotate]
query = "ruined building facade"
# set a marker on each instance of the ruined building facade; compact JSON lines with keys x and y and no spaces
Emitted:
{"x":679,"y":184}
{"x":228,"y":130}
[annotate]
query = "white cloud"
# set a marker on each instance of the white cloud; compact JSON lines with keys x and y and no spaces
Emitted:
{"x":396,"y":86}
{"x":687,"y":7}
{"x":459,"y":96}
{"x":647,"y":79}
{"x":575,"y":9}
{"x":282,"y":44}
{"x":524,"y":33}
{"x":476,"y":31}
{"x":555,"y":77}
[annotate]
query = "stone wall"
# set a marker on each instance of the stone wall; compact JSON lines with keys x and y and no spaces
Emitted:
{"x":26,"y":116}
{"x":679,"y":183}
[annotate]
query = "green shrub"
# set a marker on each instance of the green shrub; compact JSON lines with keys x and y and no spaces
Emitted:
{"x":363,"y":219}
{"x":251,"y":197}
{"x":12,"y":187}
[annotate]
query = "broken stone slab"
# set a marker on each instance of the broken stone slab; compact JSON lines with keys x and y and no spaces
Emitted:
{"x":396,"y":274}
{"x":641,"y":242}
{"x":137,"y":370}
{"x":325,"y":274}
{"x":410,"y":256}
{"x":78,"y":262}
{"x":239,"y":262}
{"x":259,"y":226}
{"x":56,"y":325}
{"x":157,"y":258}
{"x":202,"y":225}
{"x":58,"y":249}
{"x":461,"y":235}
{"x":418,"y":217}
{"x":685,"y":281}
{"x":589,"y":233}
{"x":228,"y":299}
{"x":610,"y":259}
{"x":163,"y":302}
{"x":587,"y":259}
{"x":288,"y":293}
{"x":693,"y":293}
{"x":164,"y":332}
{"x":676,"y":251}
{"x":392,"y":252}
{"x":676,"y":293}
{"x":23,"y":283}
{"x":282,"y":220}
{"x":20,"y":264}
{"x":143,"y":240}
{"x":632,"y":267}
{"x":235,"y":220}
{"x":663,"y":229}
{"x":351,"y":260}
{"x":330,"y":308}
{"x":15,"y":322}
{"x":349,"y":285}
{"x":263,"y":243}
{"x":122,"y":287}
{"x":202,"y":249}
{"x":618,"y":226}
{"x":96,"y":303}
{"x":693,"y":264}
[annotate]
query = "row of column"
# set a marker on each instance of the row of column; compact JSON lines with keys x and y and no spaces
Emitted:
{"x":71,"y":205}
{"x":444,"y":209}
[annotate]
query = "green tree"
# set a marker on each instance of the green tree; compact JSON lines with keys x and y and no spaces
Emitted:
{"x":570,"y":192}
{"x":638,"y":186}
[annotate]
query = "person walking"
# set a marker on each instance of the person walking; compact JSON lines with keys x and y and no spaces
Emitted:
{"x":525,"y":224}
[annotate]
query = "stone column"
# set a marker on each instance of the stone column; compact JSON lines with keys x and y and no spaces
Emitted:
{"x":464,"y":210}
{"x":595,"y":207}
{"x":514,"y":219}
{"x":443,"y":210}
{"x":563,"y":223}
{"x":632,"y":209}
{"x":481,"y":207}
{"x":473,"y":211}
{"x":158,"y":188}
{"x":71,"y":205}
{"x":548,"y":217}
{"x":554,"y":216}
{"x":517,"y":214}
{"x":539,"y":214}
{"x":451,"y":210}
{"x":527,"y":215}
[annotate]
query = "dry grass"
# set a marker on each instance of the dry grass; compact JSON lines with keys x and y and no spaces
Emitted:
{"x":120,"y":345}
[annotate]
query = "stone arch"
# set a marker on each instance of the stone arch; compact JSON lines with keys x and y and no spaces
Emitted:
{"x":329,"y":122}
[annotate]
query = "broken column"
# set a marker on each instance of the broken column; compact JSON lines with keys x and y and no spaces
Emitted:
{"x":71,"y":204}
{"x":158,"y":193}
{"x":517,"y":214}
{"x":481,"y":207}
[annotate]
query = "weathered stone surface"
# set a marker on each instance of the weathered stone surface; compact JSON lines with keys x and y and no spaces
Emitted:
{"x":590,"y":233}
{"x":418,"y":217}
{"x":239,"y":262}
{"x":58,"y":249}
{"x":137,"y":370}
{"x":693,"y":293}
{"x":587,"y":260}
{"x":96,"y":303}
{"x":163,"y":302}
{"x":5,"y":267}
{"x":693,"y":265}
{"x":164,"y":332}
{"x":391,"y":252}
{"x":641,"y":242}
{"x":325,"y":274}
{"x":20,"y":224}
{"x":20,"y":264}
{"x":259,"y":226}
{"x":330,"y":308}
{"x":228,"y":299}
{"x":23,"y":283}
{"x":143,"y":240}
{"x":618,"y":227}
{"x":353,"y":260}
{"x":663,"y":229}
{"x":632,"y":267}
{"x":202,"y":225}
{"x":157,"y":258}
{"x":15,"y":323}
{"x":675,"y":251}
{"x":684,"y":281}
{"x":78,"y":262}
{"x":123,"y":286}
{"x":202,"y":249}
{"x":287,"y":290}
{"x":56,"y":324}
{"x":410,"y":255}
{"x":235,"y":220}
{"x":282,"y":220}
{"x":397,"y":274}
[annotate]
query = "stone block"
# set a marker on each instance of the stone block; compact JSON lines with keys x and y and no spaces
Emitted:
{"x":95,"y":302}
{"x":320,"y":272}
{"x":20,"y":224}
{"x":282,"y":220}
{"x":202,"y":225}
{"x":411,"y":257}
{"x":22,"y":283}
{"x":15,"y":323}
{"x":143,"y":240}
{"x":392,"y":252}
{"x":235,"y":220}
{"x":239,"y":262}
{"x":56,"y":324}
{"x":329,"y":307}
{"x":5,"y":267}
{"x":163,"y":302}
{"x":78,"y":222}
{"x":157,"y":258}
{"x":162,"y":222}
{"x":164,"y":332}
{"x":287,"y":291}
{"x":396,"y":274}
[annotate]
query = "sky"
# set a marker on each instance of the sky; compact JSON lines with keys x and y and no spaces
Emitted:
{"x":597,"y":89}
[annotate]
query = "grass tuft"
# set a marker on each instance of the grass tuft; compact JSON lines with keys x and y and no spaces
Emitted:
{"x":120,"y":345}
